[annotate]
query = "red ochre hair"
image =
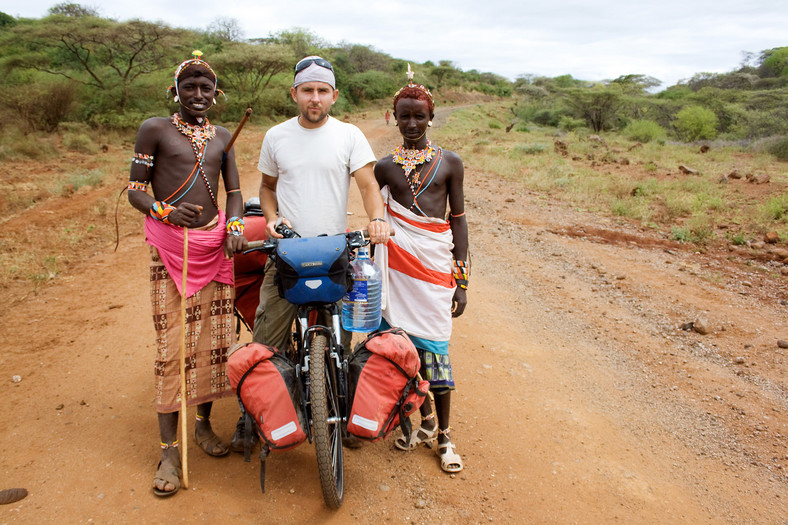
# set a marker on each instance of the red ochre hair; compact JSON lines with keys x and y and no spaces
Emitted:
{"x":417,"y":92}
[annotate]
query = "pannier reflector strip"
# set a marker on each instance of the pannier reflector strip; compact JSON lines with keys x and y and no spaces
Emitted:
{"x":313,"y":284}
{"x":283,"y":431}
{"x":363,"y":422}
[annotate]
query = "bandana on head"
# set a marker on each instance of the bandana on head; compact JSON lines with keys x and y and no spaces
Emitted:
{"x":314,"y":73}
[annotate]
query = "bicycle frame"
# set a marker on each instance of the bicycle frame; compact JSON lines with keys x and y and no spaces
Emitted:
{"x":306,"y":328}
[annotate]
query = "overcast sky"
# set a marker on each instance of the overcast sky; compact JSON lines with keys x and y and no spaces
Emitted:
{"x":667,"y":39}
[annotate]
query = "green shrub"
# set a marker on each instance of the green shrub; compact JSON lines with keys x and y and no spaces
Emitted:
{"x":546,"y":117}
{"x":80,"y":142}
{"x":776,"y":208}
{"x":42,"y":106}
{"x":128,"y":121}
{"x":739,"y":239}
{"x":494,"y":124}
{"x":696,"y":123}
{"x":527,"y":149}
{"x":568,"y":123}
{"x":644,"y":131}
{"x":522,"y":128}
{"x":780,"y":149}
{"x":77,"y":180}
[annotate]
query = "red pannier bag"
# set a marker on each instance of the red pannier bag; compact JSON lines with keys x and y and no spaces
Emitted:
{"x":269,"y":392}
{"x":384,"y":385}
{"x":249,"y":271}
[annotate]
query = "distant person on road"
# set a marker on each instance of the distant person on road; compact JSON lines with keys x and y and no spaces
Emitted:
{"x":426,"y":265}
{"x":307,"y":163}
{"x":180,"y":159}
{"x":388,"y":117}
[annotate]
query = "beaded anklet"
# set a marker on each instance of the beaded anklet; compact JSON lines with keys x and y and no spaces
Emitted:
{"x":165,"y":446}
{"x":203,"y":418}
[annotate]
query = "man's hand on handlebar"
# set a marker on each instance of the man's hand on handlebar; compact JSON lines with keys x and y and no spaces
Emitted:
{"x":379,"y":231}
{"x":234,"y":244}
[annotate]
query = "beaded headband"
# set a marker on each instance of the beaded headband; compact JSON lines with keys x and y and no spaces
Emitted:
{"x":195,"y":60}
{"x":412,"y":85}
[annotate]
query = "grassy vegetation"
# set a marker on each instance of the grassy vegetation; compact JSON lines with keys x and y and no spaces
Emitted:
{"x":627,"y":177}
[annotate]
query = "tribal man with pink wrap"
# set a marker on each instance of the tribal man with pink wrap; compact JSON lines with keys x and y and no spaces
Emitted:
{"x":425,"y":265}
{"x":181,"y":158}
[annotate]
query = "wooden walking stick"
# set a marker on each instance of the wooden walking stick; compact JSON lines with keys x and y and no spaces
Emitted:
{"x":184,"y":424}
{"x":246,"y":116}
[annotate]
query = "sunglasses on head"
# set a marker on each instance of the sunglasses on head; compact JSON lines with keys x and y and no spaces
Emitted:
{"x":305,"y":63}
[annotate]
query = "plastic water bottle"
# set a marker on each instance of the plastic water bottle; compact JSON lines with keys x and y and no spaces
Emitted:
{"x":361,"y":305}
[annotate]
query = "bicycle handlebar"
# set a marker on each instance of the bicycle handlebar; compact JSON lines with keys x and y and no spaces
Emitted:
{"x":355,"y":239}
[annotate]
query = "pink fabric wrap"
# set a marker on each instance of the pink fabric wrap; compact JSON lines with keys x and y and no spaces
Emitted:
{"x":206,"y":253}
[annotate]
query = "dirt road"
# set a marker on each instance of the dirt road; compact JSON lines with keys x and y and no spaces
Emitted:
{"x":580,"y":399}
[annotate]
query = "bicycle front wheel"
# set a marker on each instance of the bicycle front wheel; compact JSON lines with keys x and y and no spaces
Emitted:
{"x":326,"y":422}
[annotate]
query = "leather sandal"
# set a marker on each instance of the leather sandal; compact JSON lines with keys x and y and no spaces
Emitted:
{"x":450,"y":460}
{"x":169,"y":472}
{"x":417,"y":436}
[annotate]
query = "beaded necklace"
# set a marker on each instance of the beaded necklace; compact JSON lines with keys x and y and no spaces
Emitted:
{"x":410,"y":158}
{"x":198,"y":137}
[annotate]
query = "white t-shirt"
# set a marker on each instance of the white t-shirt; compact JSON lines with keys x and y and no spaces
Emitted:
{"x":313,"y":167}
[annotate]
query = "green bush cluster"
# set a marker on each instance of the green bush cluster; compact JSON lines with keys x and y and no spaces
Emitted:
{"x":696,"y":123}
{"x":644,"y":131}
{"x":780,"y":149}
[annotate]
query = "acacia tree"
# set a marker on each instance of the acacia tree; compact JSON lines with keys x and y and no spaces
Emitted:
{"x":598,"y":106}
{"x":103,"y":54}
{"x":247,"y":69}
{"x":71,"y":9}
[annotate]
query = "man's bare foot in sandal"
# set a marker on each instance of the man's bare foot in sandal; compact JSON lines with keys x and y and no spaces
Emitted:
{"x":168,"y":475}
{"x":426,"y":433}
{"x":451,"y":462}
{"x":207,"y":439}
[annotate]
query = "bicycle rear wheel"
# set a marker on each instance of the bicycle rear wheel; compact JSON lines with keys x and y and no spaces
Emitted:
{"x":326,"y":422}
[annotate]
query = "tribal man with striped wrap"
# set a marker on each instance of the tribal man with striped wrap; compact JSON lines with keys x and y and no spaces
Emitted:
{"x":425,"y":265}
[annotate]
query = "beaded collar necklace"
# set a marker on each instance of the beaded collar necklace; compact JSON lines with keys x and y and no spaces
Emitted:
{"x":410,"y":158}
{"x":198,"y":136}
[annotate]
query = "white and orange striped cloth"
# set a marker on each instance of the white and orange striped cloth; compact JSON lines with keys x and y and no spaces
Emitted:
{"x":418,"y":286}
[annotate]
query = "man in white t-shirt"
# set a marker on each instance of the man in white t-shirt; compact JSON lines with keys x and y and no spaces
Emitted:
{"x":307,"y":163}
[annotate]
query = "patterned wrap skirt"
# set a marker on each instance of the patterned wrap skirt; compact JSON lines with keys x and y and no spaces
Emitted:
{"x":209,"y":334}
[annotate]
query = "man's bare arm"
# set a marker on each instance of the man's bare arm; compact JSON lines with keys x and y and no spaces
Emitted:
{"x":269,"y":204}
{"x":373,"y":203}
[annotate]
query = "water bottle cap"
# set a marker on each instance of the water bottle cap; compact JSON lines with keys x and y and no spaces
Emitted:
{"x":363,"y":252}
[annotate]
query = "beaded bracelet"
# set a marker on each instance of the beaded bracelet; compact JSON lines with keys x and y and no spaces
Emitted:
{"x":461,"y":272}
{"x":142,"y":158}
{"x":160,"y":211}
{"x":235,"y":226}
{"x":138,"y":186}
